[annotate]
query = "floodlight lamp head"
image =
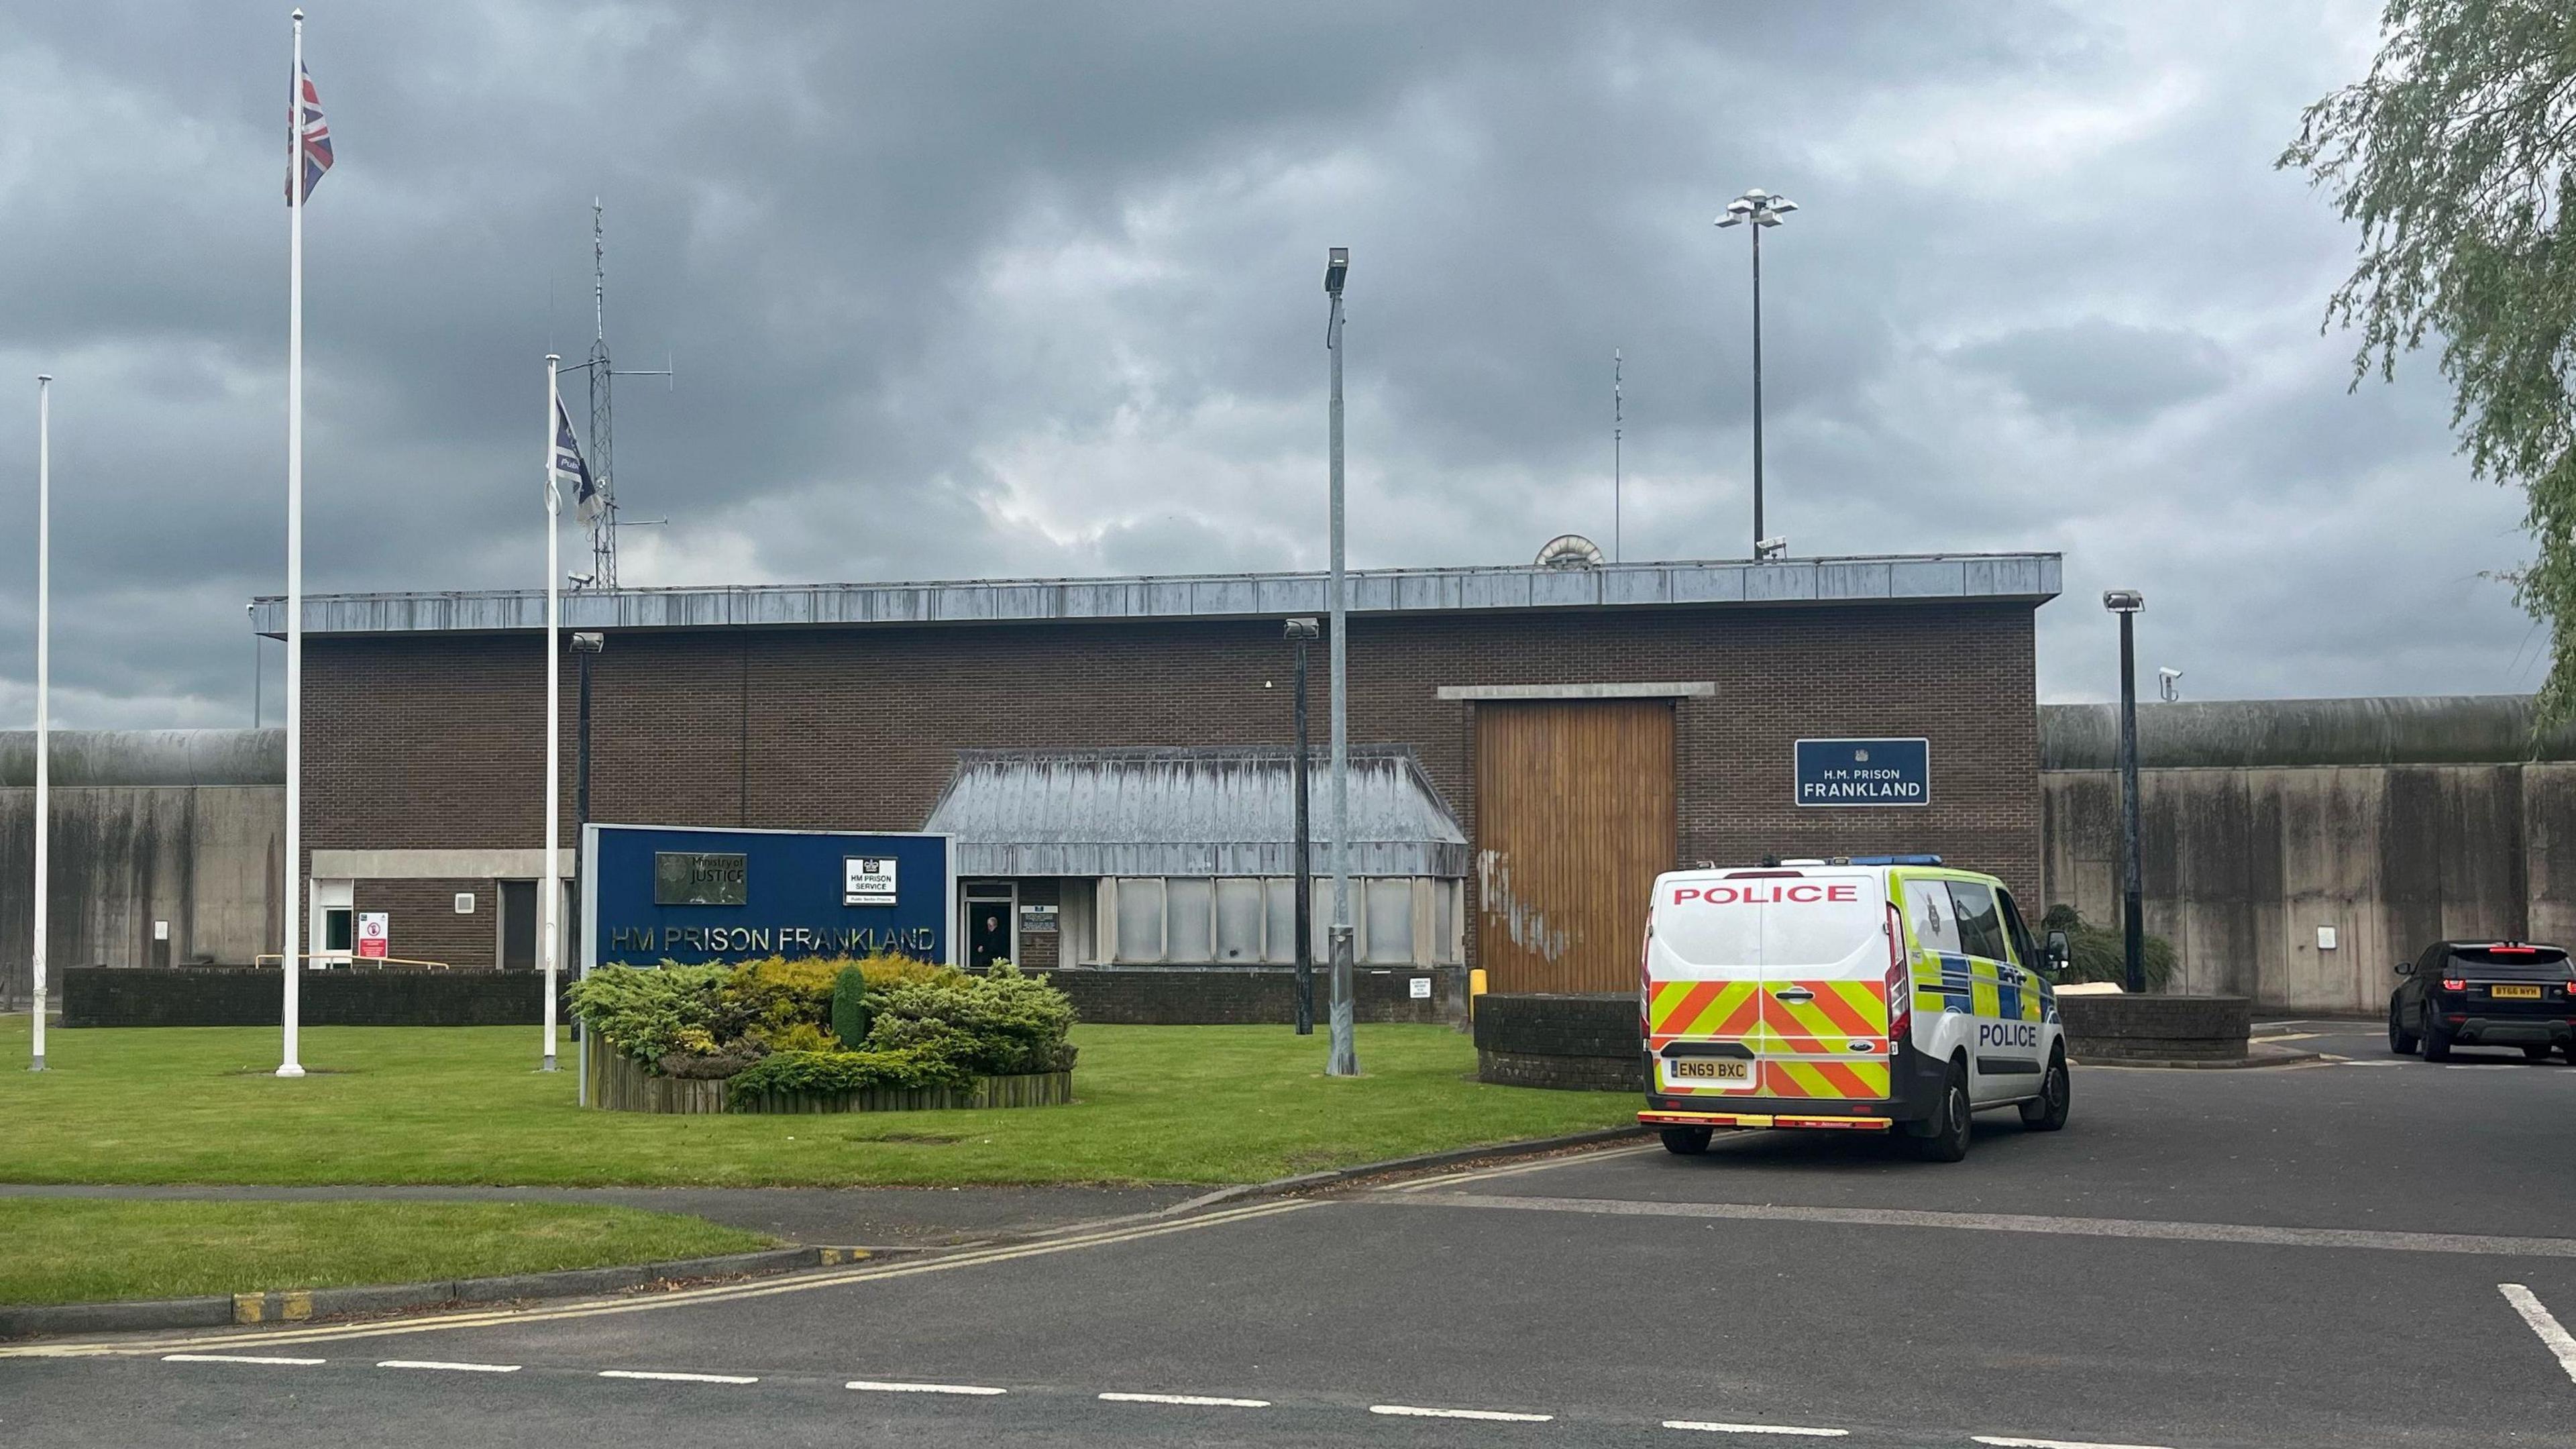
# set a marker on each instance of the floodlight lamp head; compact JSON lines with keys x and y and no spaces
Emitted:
{"x":1776,"y":546}
{"x":1302,"y":629}
{"x":1337,"y":265}
{"x":2123,"y":601}
{"x":586,"y":643}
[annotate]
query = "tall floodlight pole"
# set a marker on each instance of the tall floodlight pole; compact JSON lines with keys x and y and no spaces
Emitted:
{"x":1764,"y":210}
{"x":291,"y":1011}
{"x":1618,"y":421}
{"x":2133,"y":929}
{"x":1345,"y":1059}
{"x":549,"y":887}
{"x":1301,"y":631}
{"x":44,"y":687}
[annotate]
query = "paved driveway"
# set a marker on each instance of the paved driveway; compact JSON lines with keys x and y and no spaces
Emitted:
{"x":2361,"y":1253}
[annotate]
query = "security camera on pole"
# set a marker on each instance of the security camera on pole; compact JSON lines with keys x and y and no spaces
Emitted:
{"x":1345,"y":1060}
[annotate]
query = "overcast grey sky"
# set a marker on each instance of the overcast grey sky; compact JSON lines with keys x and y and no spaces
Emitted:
{"x":984,"y":290}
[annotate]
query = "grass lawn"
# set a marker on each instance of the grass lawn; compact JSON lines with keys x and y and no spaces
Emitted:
{"x":1194,"y":1104}
{"x":89,"y":1250}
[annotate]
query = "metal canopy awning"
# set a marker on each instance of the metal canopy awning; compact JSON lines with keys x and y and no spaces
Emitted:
{"x":1205,"y":811}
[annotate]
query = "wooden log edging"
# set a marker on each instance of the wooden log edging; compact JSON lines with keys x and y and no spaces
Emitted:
{"x":619,"y":1084}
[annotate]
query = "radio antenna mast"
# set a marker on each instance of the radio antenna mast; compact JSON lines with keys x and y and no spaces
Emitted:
{"x":603,"y":534}
{"x":1617,"y":420}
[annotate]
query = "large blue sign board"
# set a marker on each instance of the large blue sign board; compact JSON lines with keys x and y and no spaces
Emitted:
{"x":1864,"y":772}
{"x":655,"y":893}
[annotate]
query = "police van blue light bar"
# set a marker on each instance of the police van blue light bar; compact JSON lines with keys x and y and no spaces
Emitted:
{"x":1859,"y":860}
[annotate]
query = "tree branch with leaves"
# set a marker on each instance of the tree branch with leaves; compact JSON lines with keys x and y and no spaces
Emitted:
{"x":2454,"y":157}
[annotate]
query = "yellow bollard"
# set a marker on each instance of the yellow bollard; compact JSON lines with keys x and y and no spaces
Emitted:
{"x":1475,"y":988}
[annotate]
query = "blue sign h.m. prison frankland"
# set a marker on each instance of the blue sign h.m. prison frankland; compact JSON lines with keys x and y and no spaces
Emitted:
{"x":656,"y":893}
{"x":1864,"y":772}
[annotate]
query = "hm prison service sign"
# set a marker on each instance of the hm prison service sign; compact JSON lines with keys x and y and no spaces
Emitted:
{"x":1864,"y":772}
{"x":867,"y":880}
{"x":691,"y":878}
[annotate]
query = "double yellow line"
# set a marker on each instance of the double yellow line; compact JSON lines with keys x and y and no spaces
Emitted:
{"x":684,"y":1298}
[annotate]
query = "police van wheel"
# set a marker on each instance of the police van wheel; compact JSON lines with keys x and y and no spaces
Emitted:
{"x":1948,"y":1139}
{"x":1686,"y":1141}
{"x":2047,"y":1111}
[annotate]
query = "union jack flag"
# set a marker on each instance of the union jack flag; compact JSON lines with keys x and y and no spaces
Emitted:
{"x":313,"y":135}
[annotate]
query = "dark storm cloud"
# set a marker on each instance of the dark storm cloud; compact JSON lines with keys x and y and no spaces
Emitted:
{"x":2103,"y":370}
{"x":995,"y":289}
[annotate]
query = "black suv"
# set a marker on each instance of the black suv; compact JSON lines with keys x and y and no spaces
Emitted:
{"x":2484,"y":993}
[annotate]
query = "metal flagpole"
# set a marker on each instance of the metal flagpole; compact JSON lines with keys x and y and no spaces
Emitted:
{"x":44,"y":685}
{"x":550,"y":904}
{"x":293,"y":945}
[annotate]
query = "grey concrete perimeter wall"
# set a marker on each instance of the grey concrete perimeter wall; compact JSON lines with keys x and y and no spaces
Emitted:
{"x":205,"y":858}
{"x":2242,"y":864}
{"x":183,"y":826}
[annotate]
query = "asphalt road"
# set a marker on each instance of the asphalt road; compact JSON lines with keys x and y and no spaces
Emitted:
{"x":2296,"y":1257}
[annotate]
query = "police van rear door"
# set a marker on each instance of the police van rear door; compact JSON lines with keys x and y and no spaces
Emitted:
{"x":1771,"y":983}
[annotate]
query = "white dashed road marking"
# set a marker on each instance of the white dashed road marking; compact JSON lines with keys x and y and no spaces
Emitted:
{"x":1203,"y":1401}
{"x":454,"y":1368}
{"x":881,"y":1386}
{"x":671,"y":1378}
{"x":2003,"y":1443}
{"x":237,"y":1358}
{"x":2543,"y":1323}
{"x":1797,"y":1429}
{"x":1410,"y":1411}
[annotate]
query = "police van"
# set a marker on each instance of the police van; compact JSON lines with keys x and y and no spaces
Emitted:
{"x":1874,"y":994}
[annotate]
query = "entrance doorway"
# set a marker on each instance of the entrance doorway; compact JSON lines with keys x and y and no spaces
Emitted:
{"x":518,"y":925}
{"x":1574,"y":820}
{"x":991,"y":928}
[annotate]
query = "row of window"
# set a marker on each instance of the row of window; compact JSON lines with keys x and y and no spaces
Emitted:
{"x":1155,"y":920}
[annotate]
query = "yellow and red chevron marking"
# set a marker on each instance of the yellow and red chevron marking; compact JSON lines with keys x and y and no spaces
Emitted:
{"x":1703,"y":1009}
{"x":1841,"y":1011}
{"x":1864,"y":1081}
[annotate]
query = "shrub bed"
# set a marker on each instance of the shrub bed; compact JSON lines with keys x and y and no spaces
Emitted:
{"x":828,"y":1027}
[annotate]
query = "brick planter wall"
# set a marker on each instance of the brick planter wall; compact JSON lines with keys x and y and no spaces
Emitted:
{"x":2156,"y":1028}
{"x":1573,"y":1043}
{"x":242,"y":996}
{"x":1248,"y":995}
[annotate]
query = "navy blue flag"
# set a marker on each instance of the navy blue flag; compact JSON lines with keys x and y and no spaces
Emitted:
{"x":569,"y":468}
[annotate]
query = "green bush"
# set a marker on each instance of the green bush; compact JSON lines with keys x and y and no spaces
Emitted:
{"x":882,"y":1021}
{"x":831,"y":1073}
{"x":851,"y":1010}
{"x":999,"y":1024}
{"x":2098,"y":953}
{"x":651,"y":1012}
